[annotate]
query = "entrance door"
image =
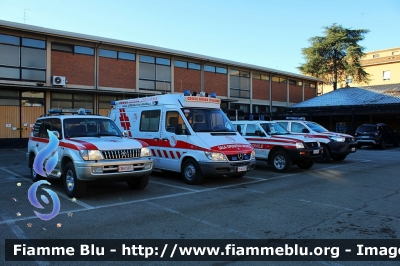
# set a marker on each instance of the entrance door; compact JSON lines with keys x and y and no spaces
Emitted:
{"x":32,"y":107}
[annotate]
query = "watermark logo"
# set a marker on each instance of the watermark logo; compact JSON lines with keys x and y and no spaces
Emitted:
{"x":44,"y":163}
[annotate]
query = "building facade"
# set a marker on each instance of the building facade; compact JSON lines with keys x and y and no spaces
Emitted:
{"x":42,"y":68}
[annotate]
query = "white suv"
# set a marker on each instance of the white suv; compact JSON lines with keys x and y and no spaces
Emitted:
{"x":336,"y":145}
{"x":78,"y":148}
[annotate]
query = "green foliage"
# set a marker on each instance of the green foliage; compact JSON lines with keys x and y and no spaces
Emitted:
{"x":335,"y":56}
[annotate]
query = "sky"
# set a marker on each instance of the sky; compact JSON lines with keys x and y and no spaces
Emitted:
{"x":266,"y":33}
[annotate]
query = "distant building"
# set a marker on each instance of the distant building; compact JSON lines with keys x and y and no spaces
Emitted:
{"x":383,"y":67}
{"x":42,"y":68}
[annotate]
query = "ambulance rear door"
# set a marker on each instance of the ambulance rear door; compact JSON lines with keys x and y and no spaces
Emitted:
{"x":150,"y":132}
{"x":174,"y":139}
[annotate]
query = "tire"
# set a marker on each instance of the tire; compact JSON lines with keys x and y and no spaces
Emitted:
{"x":305,"y":164}
{"x":326,"y":155}
{"x":35,"y":176}
{"x":238,"y":176}
{"x":382,"y":146}
{"x":281,"y":162}
{"x":339,"y":157}
{"x":74,"y":188}
{"x":138,"y":183}
{"x":191,"y":172}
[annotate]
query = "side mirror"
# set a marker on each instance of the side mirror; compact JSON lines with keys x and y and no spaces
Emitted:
{"x":125,"y":133}
{"x":305,"y":130}
{"x":56,"y":133}
{"x":178,"y":129}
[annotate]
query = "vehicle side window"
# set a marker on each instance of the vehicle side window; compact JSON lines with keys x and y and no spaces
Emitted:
{"x":150,"y":120}
{"x":36,"y":128}
{"x":46,"y":125}
{"x":240,"y":128}
{"x":173,"y":118}
{"x":57,"y":126}
{"x":297,"y":127}
{"x":285,"y":125}
{"x":251,"y":130}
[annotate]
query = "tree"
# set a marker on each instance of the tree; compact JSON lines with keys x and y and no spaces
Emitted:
{"x":336,"y":56}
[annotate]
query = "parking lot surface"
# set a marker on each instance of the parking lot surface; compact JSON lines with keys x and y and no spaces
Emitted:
{"x":357,"y":198}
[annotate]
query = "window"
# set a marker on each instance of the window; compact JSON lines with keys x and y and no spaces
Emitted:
{"x":297,"y":127}
{"x":375,"y":56}
{"x":239,"y":83}
{"x":260,"y":76}
{"x":209,"y":68}
{"x":154,"y":73}
{"x":72,"y":48}
{"x":116,"y":54}
{"x":214,"y":69}
{"x":182,"y":64}
{"x":22,"y":58}
{"x":71,"y":100}
{"x":395,"y":53}
{"x":194,"y":66}
{"x":386,"y":75}
{"x":278,"y":79}
{"x":149,"y":120}
{"x":83,"y":50}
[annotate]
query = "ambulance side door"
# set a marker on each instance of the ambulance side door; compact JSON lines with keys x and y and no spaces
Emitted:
{"x":257,"y":138}
{"x":150,"y":132}
{"x":174,"y":145}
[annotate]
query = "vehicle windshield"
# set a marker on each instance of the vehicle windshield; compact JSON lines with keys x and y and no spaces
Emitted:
{"x":274,"y":129}
{"x":367,"y":129}
{"x":208,"y":120}
{"x":316,"y":127}
{"x":90,"y":127}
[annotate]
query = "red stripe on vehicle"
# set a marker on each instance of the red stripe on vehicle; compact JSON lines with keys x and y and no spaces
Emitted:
{"x":88,"y":145}
{"x":178,"y":154}
{"x":159,"y":153}
{"x":172,"y":154}
{"x":153,"y":152}
{"x":165,"y":153}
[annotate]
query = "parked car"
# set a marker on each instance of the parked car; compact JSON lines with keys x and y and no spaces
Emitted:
{"x":277,"y":146}
{"x":81,"y":148}
{"x":336,"y":145}
{"x":378,"y":135}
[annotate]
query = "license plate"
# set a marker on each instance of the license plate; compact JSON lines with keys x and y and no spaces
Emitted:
{"x":316,"y":151}
{"x":125,"y":168}
{"x":353,"y":149}
{"x":242,"y":168}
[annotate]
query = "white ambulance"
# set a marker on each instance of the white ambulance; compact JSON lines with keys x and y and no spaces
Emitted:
{"x":187,"y":133}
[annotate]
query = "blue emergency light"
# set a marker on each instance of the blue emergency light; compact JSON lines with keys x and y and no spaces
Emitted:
{"x":213,"y":95}
{"x":186,"y":93}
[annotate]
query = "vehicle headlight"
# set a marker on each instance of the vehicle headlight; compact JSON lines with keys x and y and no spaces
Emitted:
{"x":91,"y":155}
{"x":337,"y":138}
{"x":145,"y":152}
{"x":253,"y":154}
{"x":299,"y":145}
{"x":216,"y":156}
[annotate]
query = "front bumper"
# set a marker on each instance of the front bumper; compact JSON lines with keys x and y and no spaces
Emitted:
{"x":298,"y":155}
{"x":342,"y":148}
{"x":226,"y":167}
{"x":90,"y":170}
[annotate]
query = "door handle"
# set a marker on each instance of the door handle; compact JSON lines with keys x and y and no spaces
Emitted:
{"x":156,"y":139}
{"x":165,"y":139}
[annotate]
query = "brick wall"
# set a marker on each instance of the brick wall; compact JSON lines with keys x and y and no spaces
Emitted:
{"x":214,"y":82}
{"x":187,"y":79}
{"x":78,"y":69}
{"x":279,"y":92}
{"x":117,"y":73}
{"x":295,"y":93}
{"x":260,"y":89}
{"x":309,"y":93}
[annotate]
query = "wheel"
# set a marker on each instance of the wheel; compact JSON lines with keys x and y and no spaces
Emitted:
{"x":35,"y":176}
{"x":138,"y":183}
{"x":339,"y":157}
{"x":383,"y":145}
{"x":73,"y":187}
{"x":326,"y":155}
{"x":305,"y":164}
{"x":238,"y":176}
{"x":191,"y":172}
{"x":280,"y":161}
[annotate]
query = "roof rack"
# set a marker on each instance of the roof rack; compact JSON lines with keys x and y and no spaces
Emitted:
{"x":60,"y":111}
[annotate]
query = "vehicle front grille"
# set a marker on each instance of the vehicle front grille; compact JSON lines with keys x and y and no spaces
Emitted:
{"x":311,"y":145}
{"x":348,"y":139}
{"x":239,"y":157}
{"x":121,"y":154}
